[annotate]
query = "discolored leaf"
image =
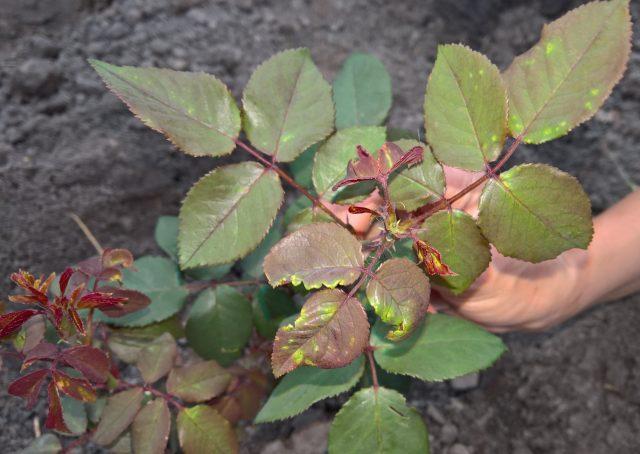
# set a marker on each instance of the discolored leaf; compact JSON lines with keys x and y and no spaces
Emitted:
{"x":419,"y":184}
{"x":331,"y":331}
{"x":534,"y":212}
{"x":330,"y":164}
{"x":28,"y":386}
{"x":315,"y":255}
{"x":13,"y":321}
{"x":166,"y":235}
{"x":227,"y":213}
{"x":378,"y":421}
{"x":202,"y":429}
{"x":55,"y":418}
{"x":564,"y":79}
{"x":465,"y":108}
{"x":45,"y":444}
{"x":463,"y":248}
{"x":287,"y":105}
{"x":156,"y":359}
{"x":209,"y":319}
{"x":90,"y":361}
{"x":270,"y":307}
{"x":119,"y":413}
{"x":443,"y":347}
{"x":134,"y":302}
{"x":305,"y":386}
{"x":194,"y":110}
{"x":198,"y":382}
{"x":361,"y":92}
{"x":150,"y":429}
{"x":126,"y":343}
{"x":399,"y":292}
{"x":78,"y":388}
{"x":159,"y":279}
{"x":44,"y":351}
{"x":245,"y":399}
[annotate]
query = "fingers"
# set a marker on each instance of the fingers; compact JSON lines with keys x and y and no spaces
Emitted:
{"x":458,"y":179}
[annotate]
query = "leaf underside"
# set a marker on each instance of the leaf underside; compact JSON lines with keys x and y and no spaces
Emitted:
{"x":119,"y":413}
{"x":198,"y":382}
{"x":151,"y":427}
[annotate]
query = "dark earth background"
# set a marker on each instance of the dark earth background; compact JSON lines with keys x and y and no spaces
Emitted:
{"x":66,"y":144}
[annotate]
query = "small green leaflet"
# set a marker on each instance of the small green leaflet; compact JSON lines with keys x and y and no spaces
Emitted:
{"x":201,"y":429}
{"x":378,"y":421}
{"x":457,"y":237}
{"x":198,"y":382}
{"x":361,"y":92}
{"x":443,"y":347}
{"x":330,"y":165}
{"x":227,"y":213}
{"x":287,"y":105}
{"x":151,"y":427}
{"x":251,"y":265}
{"x":535,"y":212}
{"x":419,"y":184}
{"x":399,"y":292}
{"x":465,"y":108}
{"x":166,"y":235}
{"x":331,"y":331}
{"x":302,"y":167}
{"x":303,"y":387}
{"x":316,"y":255}
{"x":194,"y":110}
{"x":209,"y":319}
{"x":564,"y":79}
{"x":119,"y":413}
{"x":270,"y":307}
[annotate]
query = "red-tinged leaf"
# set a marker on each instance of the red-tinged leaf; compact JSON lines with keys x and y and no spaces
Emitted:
{"x":134,"y":301}
{"x":99,"y":300}
{"x":64,"y":279}
{"x":330,"y":332}
{"x":198,"y":382}
{"x":91,"y":266}
{"x":13,"y":321}
{"x":355,"y":209}
{"x":244,"y":398}
{"x":117,"y":258}
{"x":44,"y":351}
{"x":432,"y":259}
{"x":55,"y":419}
{"x":93,"y":363}
{"x":156,"y":359}
{"x":74,"y":317}
{"x":151,"y":427}
{"x":34,"y":331}
{"x":119,"y":413}
{"x":78,"y":388}
{"x":28,"y":386}
{"x":201,"y":429}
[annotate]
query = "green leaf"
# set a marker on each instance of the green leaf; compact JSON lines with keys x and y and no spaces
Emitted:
{"x":251,"y":265}
{"x":287,"y":105}
{"x":166,"y":235}
{"x":316,"y":255}
{"x":126,"y":343}
{"x":157,"y":358}
{"x":201,"y":429}
{"x":399,"y":292}
{"x":119,"y":413}
{"x":361,"y":92}
{"x":443,"y":347}
{"x":378,"y":421}
{"x":209,"y":273}
{"x":270,"y":307}
{"x":305,"y":216}
{"x":305,"y":386}
{"x":330,"y":165}
{"x":564,"y":79}
{"x":209,"y":319}
{"x":534,"y":212}
{"x":74,"y":415}
{"x":159,"y":279}
{"x":194,"y":110}
{"x":463,"y":248}
{"x":198,"y":382}
{"x":150,"y":430}
{"x":330,"y":332}
{"x":302,"y":167}
{"x":227,"y":213}
{"x":419,"y":184}
{"x":46,"y":444}
{"x":465,"y":108}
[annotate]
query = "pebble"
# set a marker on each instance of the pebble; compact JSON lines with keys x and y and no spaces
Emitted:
{"x":458,"y":449}
{"x":37,"y":76}
{"x":466,"y":382}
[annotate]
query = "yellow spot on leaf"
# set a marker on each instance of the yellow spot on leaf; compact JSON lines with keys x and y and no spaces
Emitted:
{"x":481,"y":71}
{"x":298,"y":357}
{"x":549,"y":48}
{"x":594,"y":91}
{"x":588,"y":105}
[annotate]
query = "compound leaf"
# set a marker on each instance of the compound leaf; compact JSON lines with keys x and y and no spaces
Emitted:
{"x":194,"y":110}
{"x":315,"y":255}
{"x":463,"y":248}
{"x":287,"y":105}
{"x":227,"y":213}
{"x":419,"y":184}
{"x":361,"y":92}
{"x":202,"y":429}
{"x":198,"y":382}
{"x":209,"y":319}
{"x":378,"y":421}
{"x":443,"y":347}
{"x":564,"y":79}
{"x":156,"y":359}
{"x":119,"y":413}
{"x":465,"y":108}
{"x":534,"y":212}
{"x":303,"y":387}
{"x":331,"y":331}
{"x":150,"y":429}
{"x":330,"y":164}
{"x":399,"y":292}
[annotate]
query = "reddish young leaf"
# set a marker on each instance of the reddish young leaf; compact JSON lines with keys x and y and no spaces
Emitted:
{"x":74,"y":317}
{"x":432,"y":259}
{"x":55,"y":419}
{"x":134,"y":301}
{"x":117,"y":258}
{"x":78,"y":388}
{"x":13,"y":321}
{"x":42,"y":352}
{"x":91,"y":362}
{"x":34,"y":331}
{"x":64,"y":279}
{"x":28,"y":386}
{"x":99,"y":300}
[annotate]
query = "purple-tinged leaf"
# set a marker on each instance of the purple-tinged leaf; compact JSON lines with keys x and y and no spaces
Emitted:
{"x":150,"y":430}
{"x":135,"y":301}
{"x":119,"y":413}
{"x":44,"y":351}
{"x":198,"y":382}
{"x":28,"y":386}
{"x":34,"y":331}
{"x":117,"y":258}
{"x":201,"y":429}
{"x":55,"y":418}
{"x":330,"y":332}
{"x":13,"y":321}
{"x":156,"y":359}
{"x":92,"y":362}
{"x":78,"y":388}
{"x":64,"y":279}
{"x":315,"y":255}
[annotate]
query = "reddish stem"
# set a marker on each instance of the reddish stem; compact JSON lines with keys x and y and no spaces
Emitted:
{"x":78,"y":441}
{"x":197,"y":286}
{"x":164,"y":396}
{"x":372,"y":368}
